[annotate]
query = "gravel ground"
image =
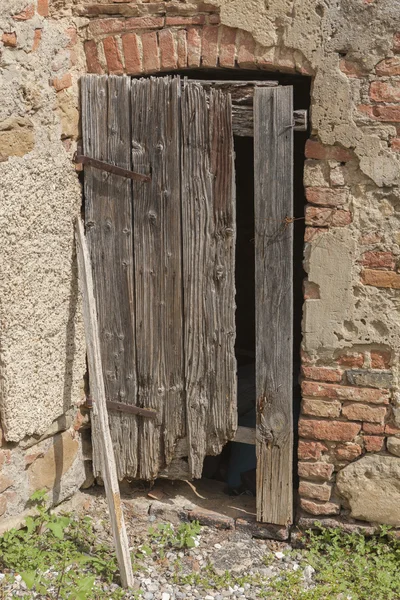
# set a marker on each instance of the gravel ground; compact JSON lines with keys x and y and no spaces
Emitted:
{"x":223,"y":563}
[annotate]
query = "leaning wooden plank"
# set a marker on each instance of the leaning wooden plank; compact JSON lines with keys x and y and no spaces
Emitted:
{"x":108,"y":215}
{"x":108,"y":467}
{"x":158,"y":270}
{"x":273,"y":179}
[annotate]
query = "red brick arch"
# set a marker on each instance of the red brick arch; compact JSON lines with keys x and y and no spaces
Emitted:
{"x":142,"y":45}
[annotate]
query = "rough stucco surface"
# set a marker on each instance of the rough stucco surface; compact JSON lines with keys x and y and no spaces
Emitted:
{"x":41,"y":338}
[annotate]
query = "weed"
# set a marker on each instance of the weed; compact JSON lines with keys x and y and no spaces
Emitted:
{"x":57,"y":556}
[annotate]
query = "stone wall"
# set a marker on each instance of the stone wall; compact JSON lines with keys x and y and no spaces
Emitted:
{"x":350,"y":422}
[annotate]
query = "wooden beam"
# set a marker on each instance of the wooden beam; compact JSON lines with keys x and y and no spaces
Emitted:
{"x":245,"y":435}
{"x":273,"y":197}
{"x":108,"y":468}
{"x":243,"y":120}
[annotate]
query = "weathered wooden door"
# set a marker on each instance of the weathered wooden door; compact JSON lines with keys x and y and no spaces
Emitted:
{"x":163,"y":265}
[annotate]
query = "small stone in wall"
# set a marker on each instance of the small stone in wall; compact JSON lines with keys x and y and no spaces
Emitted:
{"x":393,"y":445}
{"x":16,"y":137}
{"x":47,"y":471}
{"x":371,"y":486}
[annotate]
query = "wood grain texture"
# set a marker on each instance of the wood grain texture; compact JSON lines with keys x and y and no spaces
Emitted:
{"x":105,"y":445}
{"x":208,"y":234}
{"x":108,"y":214}
{"x":158,"y":270}
{"x":220,"y":309}
{"x":273,"y":176}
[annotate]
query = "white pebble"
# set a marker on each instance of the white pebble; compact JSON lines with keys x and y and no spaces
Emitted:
{"x":218,"y":546}
{"x":296,"y":566}
{"x":165,"y":596}
{"x":279,"y":555}
{"x":308,"y":571}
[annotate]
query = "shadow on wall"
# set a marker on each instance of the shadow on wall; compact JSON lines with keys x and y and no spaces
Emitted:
{"x":70,"y":350}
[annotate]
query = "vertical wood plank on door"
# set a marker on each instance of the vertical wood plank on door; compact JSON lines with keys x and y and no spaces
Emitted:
{"x":273,"y":177}
{"x":108,"y":216}
{"x":208,"y":268}
{"x":222,"y":416}
{"x":158,"y":270}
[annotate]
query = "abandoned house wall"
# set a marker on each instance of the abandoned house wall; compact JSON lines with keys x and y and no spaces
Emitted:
{"x":349,"y":448}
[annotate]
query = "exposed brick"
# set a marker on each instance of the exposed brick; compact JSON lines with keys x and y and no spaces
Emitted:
{"x":396,"y":42}
{"x":92,"y":58}
{"x":317,"y":150}
{"x":391,"y":429}
{"x":378,"y":260}
{"x":43,"y":8}
{"x":317,"y":508}
{"x":106,"y":26}
{"x":320,"y":408}
{"x":351,"y":359}
{"x":390,"y":114}
{"x":310,"y":290}
{"x":373,"y":237}
{"x":324,"y":196}
{"x":325,"y":217}
{"x":245,"y":50}
{"x":9,"y":39}
{"x":169,"y":59}
{"x":351,"y":69}
{"x":373,"y":443}
{"x":133,"y":60}
{"x":209,"y":55}
{"x":144,"y":23}
{"x":310,"y":450}
{"x":181,"y":43}
{"x":318,"y":471}
{"x":389,"y":66}
{"x":151,"y":56}
{"x":194,"y":47}
{"x":342,"y":392}
{"x":347,"y":451}
{"x":37,"y":36}
{"x":380,"y":359}
{"x":322,"y":374}
{"x":214,"y":20}
{"x":333,"y":431}
{"x":227,"y":48}
{"x":186,"y":21}
{"x":60,"y":83}
{"x":381,"y":279}
{"x":315,"y":491}
{"x":25,"y":14}
{"x":113,"y":57}
{"x":72,"y":34}
{"x":364,"y":412}
{"x":373,"y":428}
{"x":395,"y":144}
{"x":380,"y":91}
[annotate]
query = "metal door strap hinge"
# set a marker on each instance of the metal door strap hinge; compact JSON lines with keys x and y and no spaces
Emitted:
{"x":103,"y":166}
{"x":134,"y":410}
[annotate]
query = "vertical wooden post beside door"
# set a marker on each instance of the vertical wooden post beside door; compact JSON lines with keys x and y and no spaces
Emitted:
{"x":273,"y":173}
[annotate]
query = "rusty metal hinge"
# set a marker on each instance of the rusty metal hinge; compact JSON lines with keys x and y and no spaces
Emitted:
{"x":130,"y":408}
{"x":104,"y":166}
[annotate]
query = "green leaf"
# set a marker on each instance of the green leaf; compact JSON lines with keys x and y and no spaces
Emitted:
{"x":30,"y":525}
{"x":38,"y":495}
{"x":30,"y":578}
{"x":57,"y":529}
